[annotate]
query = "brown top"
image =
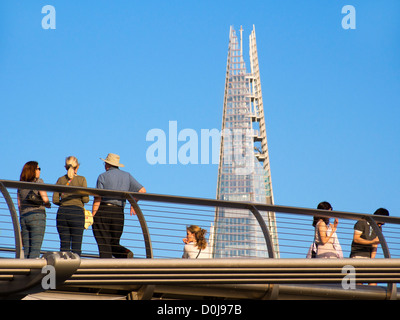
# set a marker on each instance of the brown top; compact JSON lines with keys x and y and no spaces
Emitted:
{"x":67,"y":199}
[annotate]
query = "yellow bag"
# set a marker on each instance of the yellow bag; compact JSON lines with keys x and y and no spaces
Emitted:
{"x":88,"y":218}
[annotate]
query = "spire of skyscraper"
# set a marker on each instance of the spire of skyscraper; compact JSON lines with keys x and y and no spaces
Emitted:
{"x":244,"y":169}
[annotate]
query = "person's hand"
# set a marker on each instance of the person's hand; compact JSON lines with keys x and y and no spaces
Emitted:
{"x":335,"y":224}
{"x":375,"y":241}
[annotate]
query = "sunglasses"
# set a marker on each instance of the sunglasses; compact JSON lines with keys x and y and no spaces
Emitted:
{"x":38,"y":168}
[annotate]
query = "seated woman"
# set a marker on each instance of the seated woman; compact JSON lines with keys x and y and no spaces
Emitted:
{"x":196,"y":246}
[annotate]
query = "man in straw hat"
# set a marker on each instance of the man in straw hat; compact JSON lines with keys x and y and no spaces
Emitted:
{"x":108,"y":213}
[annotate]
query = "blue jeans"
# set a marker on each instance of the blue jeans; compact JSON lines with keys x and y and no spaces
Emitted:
{"x":70,"y":226}
{"x":33,"y":225}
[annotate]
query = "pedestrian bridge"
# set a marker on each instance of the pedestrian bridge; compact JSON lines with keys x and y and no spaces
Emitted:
{"x":157,"y":271}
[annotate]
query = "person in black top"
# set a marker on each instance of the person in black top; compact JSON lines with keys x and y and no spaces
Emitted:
{"x":365,"y":241}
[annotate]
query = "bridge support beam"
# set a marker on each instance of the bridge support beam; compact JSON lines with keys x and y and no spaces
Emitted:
{"x":26,"y":275}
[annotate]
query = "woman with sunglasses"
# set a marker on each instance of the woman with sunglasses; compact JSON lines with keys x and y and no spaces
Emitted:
{"x":31,"y":205}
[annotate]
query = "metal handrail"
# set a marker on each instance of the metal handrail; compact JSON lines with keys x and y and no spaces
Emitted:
{"x":131,"y":196}
{"x":255,"y":208}
{"x":68,"y":189}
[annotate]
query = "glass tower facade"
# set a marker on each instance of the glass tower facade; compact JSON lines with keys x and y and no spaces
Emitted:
{"x":244,"y":171}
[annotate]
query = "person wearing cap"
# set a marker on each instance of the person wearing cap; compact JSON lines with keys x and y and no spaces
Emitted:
{"x":108,"y":213}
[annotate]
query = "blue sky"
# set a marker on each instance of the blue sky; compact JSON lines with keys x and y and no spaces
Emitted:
{"x":113,"y":70}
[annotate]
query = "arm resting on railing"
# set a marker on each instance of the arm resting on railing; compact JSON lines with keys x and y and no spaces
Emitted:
{"x":142,"y":190}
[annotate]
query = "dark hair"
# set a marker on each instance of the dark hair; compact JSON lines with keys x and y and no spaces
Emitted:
{"x":28,"y":173}
{"x":382,"y":212}
{"x":322,"y":206}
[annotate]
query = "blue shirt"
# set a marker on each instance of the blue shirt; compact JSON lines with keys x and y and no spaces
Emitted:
{"x":116,"y":179}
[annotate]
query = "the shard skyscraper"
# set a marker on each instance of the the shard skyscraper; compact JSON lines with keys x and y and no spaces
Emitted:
{"x":244,"y":168}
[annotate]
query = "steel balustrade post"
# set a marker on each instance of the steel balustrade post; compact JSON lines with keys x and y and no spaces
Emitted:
{"x":143,"y":225}
{"x":391,"y":287}
{"x":264,"y":228}
{"x":19,"y":252}
{"x":273,"y":289}
{"x":382,"y":240}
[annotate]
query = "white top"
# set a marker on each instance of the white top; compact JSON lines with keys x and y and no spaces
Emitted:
{"x":332,"y":248}
{"x":190,"y":251}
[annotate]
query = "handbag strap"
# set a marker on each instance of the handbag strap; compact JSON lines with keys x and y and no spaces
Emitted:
{"x":198,"y":254}
{"x":69,"y":181}
{"x":315,"y":244}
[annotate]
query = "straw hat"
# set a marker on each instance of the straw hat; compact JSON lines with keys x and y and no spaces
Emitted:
{"x":113,"y":159}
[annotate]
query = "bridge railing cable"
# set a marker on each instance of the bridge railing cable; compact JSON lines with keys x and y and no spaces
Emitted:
{"x":166,"y":217}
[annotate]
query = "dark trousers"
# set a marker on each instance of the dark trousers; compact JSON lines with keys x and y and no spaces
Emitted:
{"x":70,"y":226}
{"x":108,"y":226}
